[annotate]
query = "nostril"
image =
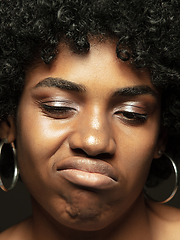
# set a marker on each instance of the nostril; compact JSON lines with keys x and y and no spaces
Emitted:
{"x":104,"y":156}
{"x":101,"y":156}
{"x":79,"y":152}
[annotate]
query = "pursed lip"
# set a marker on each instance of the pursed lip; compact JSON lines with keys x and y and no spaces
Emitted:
{"x":88,"y":165}
{"x":87,"y":172}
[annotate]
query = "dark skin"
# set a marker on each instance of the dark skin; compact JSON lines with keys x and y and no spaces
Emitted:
{"x":87,"y":129}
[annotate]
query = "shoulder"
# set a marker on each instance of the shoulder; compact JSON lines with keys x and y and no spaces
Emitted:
{"x":16,"y":232}
{"x":164,"y":220}
{"x":164,"y":212}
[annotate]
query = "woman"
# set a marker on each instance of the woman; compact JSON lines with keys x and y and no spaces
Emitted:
{"x":90,"y":96}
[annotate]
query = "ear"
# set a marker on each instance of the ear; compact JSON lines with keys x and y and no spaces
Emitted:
{"x":161,"y":143}
{"x":7,"y":129}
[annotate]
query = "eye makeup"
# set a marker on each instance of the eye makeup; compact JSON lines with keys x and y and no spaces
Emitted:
{"x":133,"y":113}
{"x":58,"y":109}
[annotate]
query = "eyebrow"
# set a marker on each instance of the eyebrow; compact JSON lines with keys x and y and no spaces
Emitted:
{"x":76,"y":87}
{"x":61,"y":83}
{"x":135,"y":91}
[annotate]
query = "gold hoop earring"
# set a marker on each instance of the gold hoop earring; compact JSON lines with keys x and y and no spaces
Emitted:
{"x":176,"y":182}
{"x":16,"y":170}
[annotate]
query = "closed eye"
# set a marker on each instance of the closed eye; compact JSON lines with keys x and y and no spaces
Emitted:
{"x":54,"y":111}
{"x":132,"y":118}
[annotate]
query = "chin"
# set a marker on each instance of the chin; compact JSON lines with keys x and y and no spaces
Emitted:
{"x":88,"y":224}
{"x":89,"y":215}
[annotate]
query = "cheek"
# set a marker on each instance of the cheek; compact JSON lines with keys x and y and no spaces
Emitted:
{"x":38,"y":140}
{"x":136,"y":148}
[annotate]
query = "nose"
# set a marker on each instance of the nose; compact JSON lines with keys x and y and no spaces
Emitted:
{"x":93,"y":134}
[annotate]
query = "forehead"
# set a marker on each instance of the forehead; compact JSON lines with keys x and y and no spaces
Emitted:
{"x":100,"y":66}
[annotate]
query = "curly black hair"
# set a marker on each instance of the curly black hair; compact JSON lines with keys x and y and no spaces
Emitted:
{"x":147,"y":32}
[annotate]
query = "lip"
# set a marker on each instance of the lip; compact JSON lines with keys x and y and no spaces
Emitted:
{"x":92,"y":173}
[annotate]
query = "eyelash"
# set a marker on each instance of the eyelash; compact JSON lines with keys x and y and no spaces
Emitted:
{"x":128,"y":117}
{"x":132,"y":117}
{"x":58,"y":111}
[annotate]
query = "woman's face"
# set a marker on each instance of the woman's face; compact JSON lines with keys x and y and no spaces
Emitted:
{"x":87,"y":131}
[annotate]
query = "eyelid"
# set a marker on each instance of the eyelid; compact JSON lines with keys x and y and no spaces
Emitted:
{"x":130,"y":116}
{"x":131,"y":107}
{"x":57,"y":111}
{"x":59,"y":103}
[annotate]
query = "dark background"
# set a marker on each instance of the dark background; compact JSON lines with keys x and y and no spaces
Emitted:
{"x":15,"y":204}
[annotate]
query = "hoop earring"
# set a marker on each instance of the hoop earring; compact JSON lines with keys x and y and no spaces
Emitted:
{"x":16,"y":170}
{"x":176,"y":182}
